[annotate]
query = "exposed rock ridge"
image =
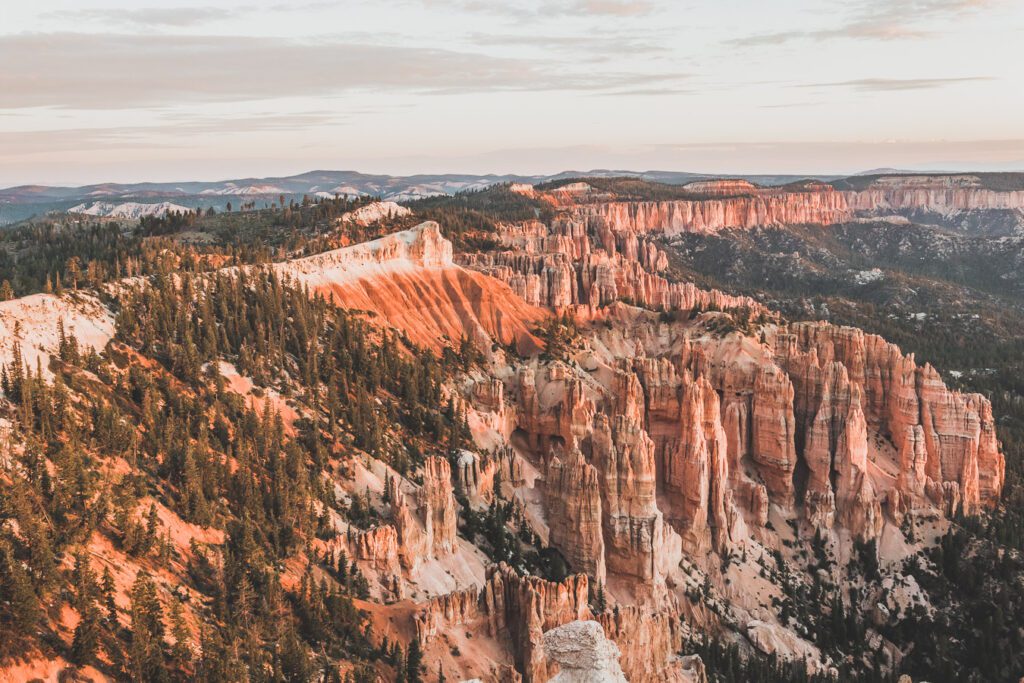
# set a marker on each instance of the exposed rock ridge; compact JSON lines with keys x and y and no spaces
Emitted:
{"x":737,"y":204}
{"x":710,"y":215}
{"x":581,"y":263}
{"x":409,"y":280}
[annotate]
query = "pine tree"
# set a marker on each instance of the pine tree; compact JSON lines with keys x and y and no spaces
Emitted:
{"x":146,"y":655}
{"x":181,"y":651}
{"x":109,"y":597}
{"x":86,"y":638}
{"x":414,"y":662}
{"x":20,"y":604}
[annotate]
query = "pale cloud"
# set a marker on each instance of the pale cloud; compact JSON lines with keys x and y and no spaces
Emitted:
{"x":605,"y":45}
{"x":548,"y":8}
{"x":112,"y":71}
{"x":171,"y":131}
{"x":878,"y":20}
{"x":148,"y":17}
{"x":613,"y":8}
{"x":896,"y":84}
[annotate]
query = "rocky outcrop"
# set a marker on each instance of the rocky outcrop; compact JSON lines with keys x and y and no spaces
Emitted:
{"x":823,"y":206}
{"x":522,"y":608}
{"x":428,"y":528}
{"x":553,"y":408}
{"x":638,"y":545}
{"x":650,"y":643}
{"x":721,"y":204}
{"x":583,"y":654}
{"x":696,"y":471}
{"x":378,"y":547}
{"x":773,"y":432}
{"x":408,"y":280}
{"x":443,"y":613}
{"x":573,"y":491}
{"x":437,"y":505}
{"x":946,"y":439}
{"x":476,"y":474}
{"x":412,"y":545}
{"x":376,"y":211}
{"x":933,"y":193}
{"x":571,"y":264}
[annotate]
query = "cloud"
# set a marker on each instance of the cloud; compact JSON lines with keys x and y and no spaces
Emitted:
{"x":549,"y":8}
{"x":151,"y":17}
{"x":896,"y":84}
{"x":176,"y":130}
{"x":878,"y":20}
{"x":646,"y":92}
{"x":612,"y":8}
{"x":604,"y":45}
{"x":117,"y":71}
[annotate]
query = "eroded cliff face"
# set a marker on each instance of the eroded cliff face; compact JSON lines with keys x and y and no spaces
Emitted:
{"x":409,"y":280}
{"x":521,"y":609}
{"x":426,"y":528}
{"x":584,"y":262}
{"x":739,"y":204}
{"x":944,"y":441}
{"x":659,"y":450}
{"x":670,"y":218}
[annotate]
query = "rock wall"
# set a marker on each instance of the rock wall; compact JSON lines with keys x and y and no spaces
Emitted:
{"x":522,"y":608}
{"x":946,"y":439}
{"x":710,"y":215}
{"x":445,"y":612}
{"x":650,"y":642}
{"x":427,"y":527}
{"x":591,"y":264}
{"x":378,"y":547}
{"x":739,"y":204}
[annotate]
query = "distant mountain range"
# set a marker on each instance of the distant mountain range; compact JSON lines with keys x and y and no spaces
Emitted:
{"x":25,"y":201}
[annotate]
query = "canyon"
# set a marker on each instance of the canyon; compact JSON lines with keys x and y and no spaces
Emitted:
{"x":661,"y":447}
{"x":678,"y":462}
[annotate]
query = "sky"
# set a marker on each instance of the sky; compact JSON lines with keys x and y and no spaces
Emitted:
{"x":163,"y":90}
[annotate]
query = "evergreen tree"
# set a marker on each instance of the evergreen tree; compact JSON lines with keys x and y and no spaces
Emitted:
{"x":146,"y":651}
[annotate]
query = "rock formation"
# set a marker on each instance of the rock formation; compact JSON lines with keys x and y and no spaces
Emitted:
{"x":406,"y":274}
{"x":650,"y":642}
{"x":378,"y":547}
{"x":583,"y":654}
{"x":573,"y":489}
{"x":445,"y":612}
{"x":522,"y":608}
{"x":717,"y":205}
{"x":428,"y":529}
{"x":823,"y":206}
{"x":837,"y":369}
{"x":437,"y":505}
{"x":586,"y":263}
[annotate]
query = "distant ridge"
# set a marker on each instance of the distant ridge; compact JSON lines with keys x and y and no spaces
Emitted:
{"x":24,"y":201}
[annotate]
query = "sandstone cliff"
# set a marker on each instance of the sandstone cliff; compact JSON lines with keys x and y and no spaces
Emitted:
{"x":408,"y":279}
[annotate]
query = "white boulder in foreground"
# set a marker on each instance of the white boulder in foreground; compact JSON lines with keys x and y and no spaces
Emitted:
{"x":583,"y":654}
